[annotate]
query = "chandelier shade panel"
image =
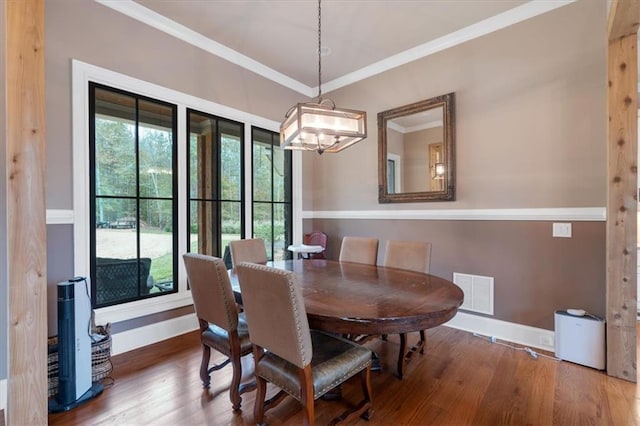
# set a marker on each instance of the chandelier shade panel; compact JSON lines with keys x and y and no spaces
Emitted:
{"x":322,"y":128}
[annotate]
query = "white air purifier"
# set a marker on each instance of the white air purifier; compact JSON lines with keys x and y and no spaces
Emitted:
{"x":580,"y":339}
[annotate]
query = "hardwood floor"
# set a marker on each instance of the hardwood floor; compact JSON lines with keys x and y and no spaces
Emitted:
{"x":460,"y":380}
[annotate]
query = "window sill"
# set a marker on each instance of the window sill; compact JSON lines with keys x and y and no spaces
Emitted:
{"x":140,"y":308}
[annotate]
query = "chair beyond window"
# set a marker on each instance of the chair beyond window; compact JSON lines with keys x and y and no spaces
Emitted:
{"x":304,"y":363}
{"x":250,"y":250}
{"x":120,"y":280}
{"x":221,"y":327}
{"x":359,"y":250}
{"x":412,"y":256}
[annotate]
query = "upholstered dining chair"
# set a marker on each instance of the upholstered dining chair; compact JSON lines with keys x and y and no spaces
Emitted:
{"x":315,"y":238}
{"x":221,"y":326}
{"x":303,"y":363}
{"x":412,"y":256}
{"x":359,"y":250}
{"x":248,"y":250}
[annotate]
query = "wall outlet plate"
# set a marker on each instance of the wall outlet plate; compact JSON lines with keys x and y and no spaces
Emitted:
{"x":562,"y":230}
{"x":546,"y":341}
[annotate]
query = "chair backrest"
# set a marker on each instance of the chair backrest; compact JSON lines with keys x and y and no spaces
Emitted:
{"x":211,"y":290}
{"x":359,"y":250}
{"x":273,"y":303}
{"x":410,"y":255}
{"x":316,"y":238}
{"x":249,"y":250}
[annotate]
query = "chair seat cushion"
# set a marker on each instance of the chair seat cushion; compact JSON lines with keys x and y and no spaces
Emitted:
{"x":218,"y":338}
{"x":334,"y":360}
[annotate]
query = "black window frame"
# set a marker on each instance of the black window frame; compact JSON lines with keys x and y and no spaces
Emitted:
{"x":92,"y":190}
{"x":218,"y":251}
{"x":275,"y":142}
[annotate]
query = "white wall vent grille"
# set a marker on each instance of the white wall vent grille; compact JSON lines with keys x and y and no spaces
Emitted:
{"x":478,"y":292}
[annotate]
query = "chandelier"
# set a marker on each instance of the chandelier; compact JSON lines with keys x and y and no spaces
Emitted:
{"x":320,"y":126}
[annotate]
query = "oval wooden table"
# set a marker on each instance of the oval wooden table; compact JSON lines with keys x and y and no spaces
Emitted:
{"x":357,"y":299}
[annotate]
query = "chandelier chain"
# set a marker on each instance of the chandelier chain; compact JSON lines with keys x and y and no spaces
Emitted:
{"x":319,"y":52}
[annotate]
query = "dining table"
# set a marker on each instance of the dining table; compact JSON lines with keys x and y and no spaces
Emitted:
{"x":357,"y":299}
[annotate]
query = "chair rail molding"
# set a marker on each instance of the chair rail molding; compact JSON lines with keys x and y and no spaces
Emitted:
{"x":60,"y":217}
{"x":587,"y":214}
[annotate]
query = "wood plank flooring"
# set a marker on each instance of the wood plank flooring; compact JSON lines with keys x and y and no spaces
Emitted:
{"x":460,"y":380}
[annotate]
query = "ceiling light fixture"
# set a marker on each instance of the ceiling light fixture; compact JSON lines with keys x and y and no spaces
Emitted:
{"x":320,"y":126}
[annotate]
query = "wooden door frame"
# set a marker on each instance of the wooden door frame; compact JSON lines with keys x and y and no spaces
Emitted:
{"x":24,"y":82}
{"x":622,"y":188}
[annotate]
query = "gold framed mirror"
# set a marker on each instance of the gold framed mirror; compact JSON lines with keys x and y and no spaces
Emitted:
{"x":416,"y":151}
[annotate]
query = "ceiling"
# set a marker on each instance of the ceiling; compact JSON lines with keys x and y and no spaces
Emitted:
{"x":278,"y":39}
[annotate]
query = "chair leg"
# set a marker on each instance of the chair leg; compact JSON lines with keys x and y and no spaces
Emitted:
{"x":261,"y":393}
{"x":365,"y":380}
{"x":306,"y":397}
{"x":363,"y":409}
{"x":401,"y":353}
{"x":204,"y":366}
{"x":423,"y":339}
{"x":234,"y":391}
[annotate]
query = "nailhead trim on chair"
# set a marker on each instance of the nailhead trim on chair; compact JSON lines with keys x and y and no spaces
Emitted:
{"x":227,"y":307}
{"x":291,"y":290}
{"x":341,"y":379}
{"x":296,"y":392}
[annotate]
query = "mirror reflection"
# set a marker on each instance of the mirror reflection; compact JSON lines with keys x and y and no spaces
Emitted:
{"x":416,"y":146}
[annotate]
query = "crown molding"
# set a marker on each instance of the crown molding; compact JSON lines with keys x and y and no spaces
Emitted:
{"x":513,"y":16}
{"x":147,"y":16}
{"x":487,"y":26}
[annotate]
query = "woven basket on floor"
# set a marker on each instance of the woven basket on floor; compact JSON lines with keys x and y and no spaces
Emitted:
{"x":100,"y":358}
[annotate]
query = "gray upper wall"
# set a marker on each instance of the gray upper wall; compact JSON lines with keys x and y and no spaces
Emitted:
{"x":530,"y":128}
{"x":95,"y":34}
{"x":530,"y":118}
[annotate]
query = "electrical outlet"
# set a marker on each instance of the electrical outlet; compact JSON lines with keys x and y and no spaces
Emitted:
{"x":562,"y":230}
{"x":546,"y":341}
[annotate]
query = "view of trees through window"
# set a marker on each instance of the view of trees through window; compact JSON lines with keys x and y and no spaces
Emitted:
{"x":272,"y":208}
{"x":133,"y":141}
{"x":134,"y":189}
{"x":216,"y":203}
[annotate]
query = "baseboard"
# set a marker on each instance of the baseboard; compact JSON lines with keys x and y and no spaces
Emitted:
{"x":516,"y":333}
{"x":152,"y":333}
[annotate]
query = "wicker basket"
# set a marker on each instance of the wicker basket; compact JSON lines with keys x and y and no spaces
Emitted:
{"x":100,"y":358}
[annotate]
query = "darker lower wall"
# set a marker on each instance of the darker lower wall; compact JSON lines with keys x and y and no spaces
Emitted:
{"x":534,"y":273}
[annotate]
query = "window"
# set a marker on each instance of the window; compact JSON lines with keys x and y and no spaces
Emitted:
{"x":134,"y":196}
{"x":215,"y":184}
{"x":148,"y":166}
{"x":272,"y":209}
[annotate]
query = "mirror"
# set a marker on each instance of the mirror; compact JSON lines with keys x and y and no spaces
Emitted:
{"x":416,"y":151}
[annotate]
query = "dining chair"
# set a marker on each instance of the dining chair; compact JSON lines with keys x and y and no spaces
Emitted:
{"x":359,"y":250}
{"x":413,"y":256}
{"x":249,"y":250}
{"x":221,"y":326}
{"x":303,"y":363}
{"x":315,"y":238}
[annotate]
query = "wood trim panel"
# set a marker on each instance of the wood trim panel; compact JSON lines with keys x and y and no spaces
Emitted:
{"x":26,"y":229}
{"x":623,"y":18}
{"x":622,"y":201}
